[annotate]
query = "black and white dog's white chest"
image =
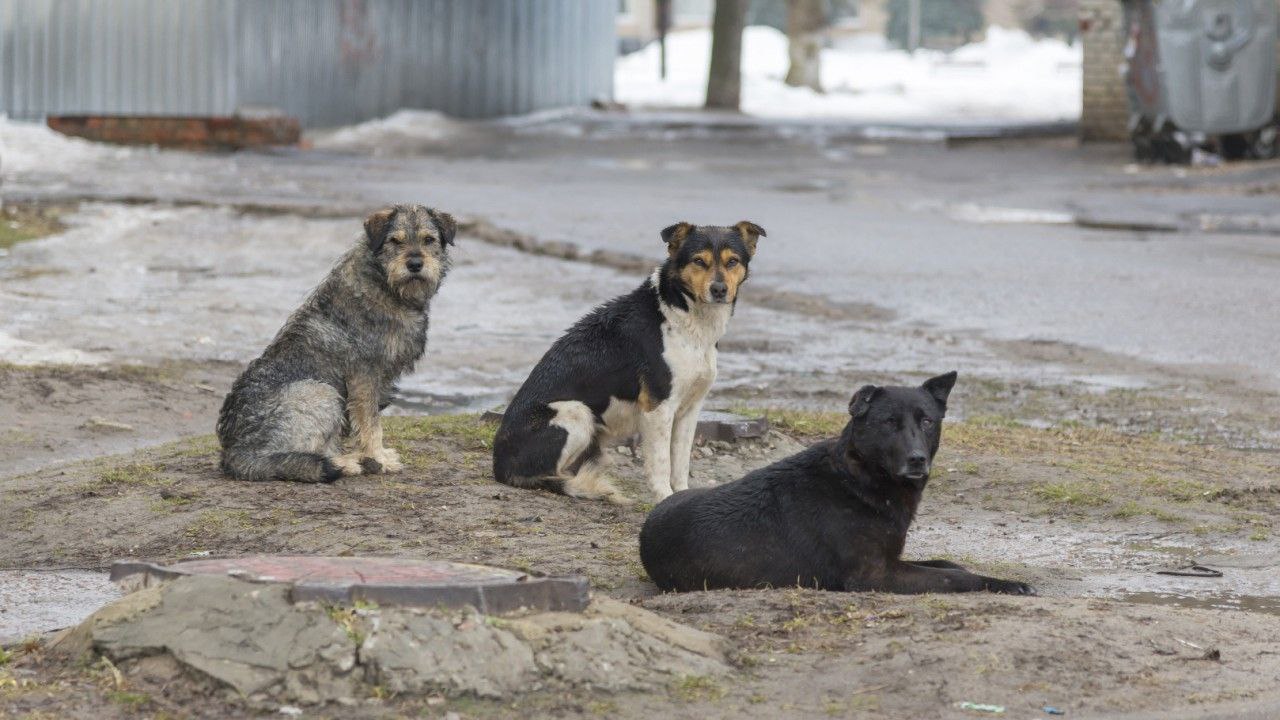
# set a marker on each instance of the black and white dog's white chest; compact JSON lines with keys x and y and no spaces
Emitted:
{"x":689,"y":348}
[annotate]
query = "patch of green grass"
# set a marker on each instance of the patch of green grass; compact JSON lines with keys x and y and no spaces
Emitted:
{"x":128,"y":699}
{"x":1085,"y":493}
{"x":1258,"y":535}
{"x":805,"y":424}
{"x":1178,"y":489}
{"x":214,"y":522}
{"x":5,"y":657}
{"x":20,"y":222}
{"x":470,"y":430}
{"x":198,"y":446}
{"x":692,"y":688}
{"x":131,"y":474}
{"x":347,"y":619}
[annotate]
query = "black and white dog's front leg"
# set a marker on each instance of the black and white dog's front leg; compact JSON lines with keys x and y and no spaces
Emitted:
{"x":682,"y":435}
{"x":656,"y":429}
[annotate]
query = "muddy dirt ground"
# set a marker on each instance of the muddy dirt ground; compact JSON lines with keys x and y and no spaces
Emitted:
{"x":1082,"y":471}
{"x":1043,"y":505}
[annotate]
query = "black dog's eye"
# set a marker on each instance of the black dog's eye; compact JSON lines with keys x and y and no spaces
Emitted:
{"x":395,"y":240}
{"x":733,"y":262}
{"x":926,"y":423}
{"x":891,"y":422}
{"x":700,"y":263}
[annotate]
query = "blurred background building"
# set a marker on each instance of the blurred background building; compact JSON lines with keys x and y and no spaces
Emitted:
{"x":326,"y":62}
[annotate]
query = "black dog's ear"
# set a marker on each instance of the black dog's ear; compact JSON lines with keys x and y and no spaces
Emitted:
{"x":674,"y":236}
{"x":375,"y":227}
{"x":445,"y":223}
{"x":940,"y":387}
{"x":750,"y":233}
{"x":861,"y":401}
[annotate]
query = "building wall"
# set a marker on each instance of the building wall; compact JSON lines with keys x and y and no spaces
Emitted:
{"x":1105,"y":115}
{"x":326,"y":62}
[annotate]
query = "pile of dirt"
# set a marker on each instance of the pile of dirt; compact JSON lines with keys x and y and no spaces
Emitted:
{"x":250,"y":639}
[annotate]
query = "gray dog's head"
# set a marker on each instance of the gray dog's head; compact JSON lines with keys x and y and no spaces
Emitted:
{"x":409,"y":244}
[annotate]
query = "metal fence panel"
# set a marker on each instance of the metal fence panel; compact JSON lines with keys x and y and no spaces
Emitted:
{"x":326,"y":62}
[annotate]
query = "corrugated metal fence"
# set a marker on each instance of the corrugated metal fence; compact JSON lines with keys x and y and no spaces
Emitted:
{"x":327,"y":62}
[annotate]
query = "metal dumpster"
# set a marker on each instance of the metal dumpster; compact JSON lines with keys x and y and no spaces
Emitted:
{"x":1201,"y":74}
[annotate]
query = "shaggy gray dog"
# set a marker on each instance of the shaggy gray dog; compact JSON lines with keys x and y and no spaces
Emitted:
{"x":332,"y":367}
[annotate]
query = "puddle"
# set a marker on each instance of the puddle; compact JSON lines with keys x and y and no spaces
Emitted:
{"x":1221,"y":601}
{"x":40,"y":601}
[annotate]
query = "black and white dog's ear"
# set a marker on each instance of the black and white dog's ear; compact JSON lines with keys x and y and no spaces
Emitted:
{"x":750,"y":233}
{"x":861,"y":402}
{"x":375,"y":227}
{"x":940,"y":387}
{"x":674,"y":236}
{"x":445,"y":223}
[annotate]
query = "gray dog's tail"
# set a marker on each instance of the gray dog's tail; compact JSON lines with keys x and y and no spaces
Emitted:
{"x":299,"y":466}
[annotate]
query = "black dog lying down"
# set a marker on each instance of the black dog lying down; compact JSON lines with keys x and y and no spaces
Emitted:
{"x":833,"y":517}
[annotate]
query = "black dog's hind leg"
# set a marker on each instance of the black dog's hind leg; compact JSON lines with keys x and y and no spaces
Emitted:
{"x":913,"y":578}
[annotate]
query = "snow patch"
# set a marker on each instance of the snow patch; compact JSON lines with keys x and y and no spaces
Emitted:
{"x":402,"y":131}
{"x":1007,"y":76}
{"x":22,"y":352}
{"x":32,"y":148}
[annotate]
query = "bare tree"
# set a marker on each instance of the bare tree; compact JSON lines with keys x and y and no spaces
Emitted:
{"x":805,"y":22}
{"x":724,"y":82}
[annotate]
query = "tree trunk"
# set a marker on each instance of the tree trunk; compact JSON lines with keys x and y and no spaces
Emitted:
{"x":805,"y":22}
{"x":724,"y":82}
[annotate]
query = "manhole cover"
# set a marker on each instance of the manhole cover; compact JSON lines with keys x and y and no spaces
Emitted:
{"x":385,"y":581}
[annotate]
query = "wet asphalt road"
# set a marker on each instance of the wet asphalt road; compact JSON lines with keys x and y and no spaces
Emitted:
{"x":936,"y":237}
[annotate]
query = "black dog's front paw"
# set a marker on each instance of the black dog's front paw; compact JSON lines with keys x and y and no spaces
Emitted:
{"x":1009,"y":587}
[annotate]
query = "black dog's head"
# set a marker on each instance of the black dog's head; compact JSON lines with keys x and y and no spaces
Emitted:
{"x":409,"y":243}
{"x":708,"y":263}
{"x":896,"y":430}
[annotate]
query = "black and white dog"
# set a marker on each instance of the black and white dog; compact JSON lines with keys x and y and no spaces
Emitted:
{"x":643,"y":361}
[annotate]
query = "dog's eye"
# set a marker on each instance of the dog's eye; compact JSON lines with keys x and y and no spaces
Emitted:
{"x":394,"y":240}
{"x":700,"y":263}
{"x":733,"y":262}
{"x":891,"y":422}
{"x":926,"y":423}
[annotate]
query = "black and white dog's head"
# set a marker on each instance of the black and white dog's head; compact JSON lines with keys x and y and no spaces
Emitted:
{"x":896,"y":430}
{"x":707,"y":263}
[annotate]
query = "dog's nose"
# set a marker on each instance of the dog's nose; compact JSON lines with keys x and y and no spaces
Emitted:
{"x":917,"y":461}
{"x":719,"y":291}
{"x":414,"y":264}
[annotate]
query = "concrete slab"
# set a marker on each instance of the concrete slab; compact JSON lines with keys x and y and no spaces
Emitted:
{"x":385,"y":581}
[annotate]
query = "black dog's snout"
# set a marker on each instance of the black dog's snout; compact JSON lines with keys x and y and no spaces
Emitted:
{"x":414,"y":263}
{"x":719,"y":291}
{"x":917,"y":461}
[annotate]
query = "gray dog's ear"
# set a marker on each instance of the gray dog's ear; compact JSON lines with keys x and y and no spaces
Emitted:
{"x":940,"y":387}
{"x":375,"y":227}
{"x":674,"y":236}
{"x":861,"y":402}
{"x":445,"y":223}
{"x":750,"y":233}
